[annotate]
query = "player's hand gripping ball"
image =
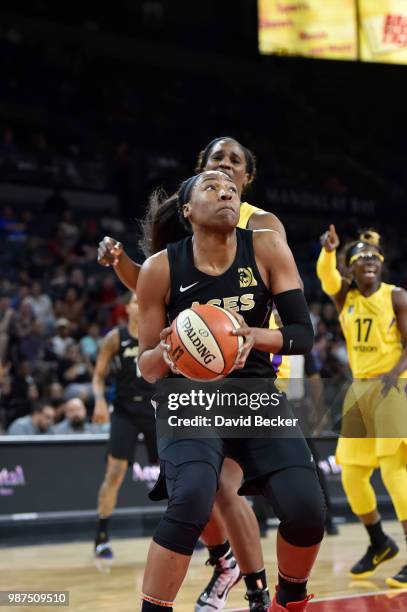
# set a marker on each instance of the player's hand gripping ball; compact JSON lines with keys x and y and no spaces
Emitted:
{"x":202,"y":346}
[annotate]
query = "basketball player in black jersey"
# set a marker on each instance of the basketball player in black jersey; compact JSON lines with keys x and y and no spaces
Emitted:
{"x":209,"y":265}
{"x":132,"y":415}
{"x":232,"y":517}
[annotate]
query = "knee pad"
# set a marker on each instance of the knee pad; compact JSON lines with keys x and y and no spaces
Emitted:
{"x":298,"y":501}
{"x":192,"y":489}
{"x":306,"y":526}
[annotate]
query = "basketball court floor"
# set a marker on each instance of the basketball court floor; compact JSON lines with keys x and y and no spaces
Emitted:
{"x":71,"y":567}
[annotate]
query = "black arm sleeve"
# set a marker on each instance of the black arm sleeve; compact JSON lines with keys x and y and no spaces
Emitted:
{"x":298,"y":333}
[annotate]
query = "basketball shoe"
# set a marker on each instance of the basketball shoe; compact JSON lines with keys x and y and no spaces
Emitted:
{"x":259,"y":600}
{"x":368,"y":564}
{"x":225,"y":575}
{"x":292,"y":606}
{"x":399,"y":581}
{"x":103,"y":550}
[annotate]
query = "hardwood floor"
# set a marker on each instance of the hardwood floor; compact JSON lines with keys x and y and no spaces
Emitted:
{"x":72,"y":567}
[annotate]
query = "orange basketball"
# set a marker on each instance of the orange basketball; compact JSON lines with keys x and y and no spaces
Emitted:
{"x":202,"y":344}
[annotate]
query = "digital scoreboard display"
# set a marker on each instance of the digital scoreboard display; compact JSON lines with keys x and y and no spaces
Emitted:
{"x":368,"y":30}
{"x":312,"y":28}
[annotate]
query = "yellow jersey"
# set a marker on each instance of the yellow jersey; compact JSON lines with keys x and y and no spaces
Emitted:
{"x":370,"y":328}
{"x":281,"y":363}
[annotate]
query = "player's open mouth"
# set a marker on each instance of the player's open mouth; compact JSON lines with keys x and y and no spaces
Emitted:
{"x":370,"y":273}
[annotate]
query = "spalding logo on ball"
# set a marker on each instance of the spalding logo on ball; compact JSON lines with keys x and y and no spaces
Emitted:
{"x":202,"y":344}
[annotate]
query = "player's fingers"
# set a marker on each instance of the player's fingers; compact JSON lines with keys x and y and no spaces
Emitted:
{"x":242,"y":355}
{"x":117,"y":248}
{"x":165,"y":347}
{"x":242,"y":331}
{"x":108,"y":250}
{"x":170,"y":363}
{"x":167,"y":358}
{"x":105,"y":257}
{"x":237,"y":316}
{"x":165,"y":332}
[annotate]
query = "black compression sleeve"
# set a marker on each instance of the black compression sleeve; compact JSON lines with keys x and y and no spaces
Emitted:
{"x":298,"y":333}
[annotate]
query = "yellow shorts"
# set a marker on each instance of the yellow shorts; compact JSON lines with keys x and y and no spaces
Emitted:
{"x":373,"y":426}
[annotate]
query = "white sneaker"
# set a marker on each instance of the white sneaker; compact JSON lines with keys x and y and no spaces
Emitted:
{"x":225,"y":575}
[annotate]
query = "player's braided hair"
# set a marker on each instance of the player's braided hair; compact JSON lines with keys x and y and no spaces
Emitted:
{"x":249,"y":157}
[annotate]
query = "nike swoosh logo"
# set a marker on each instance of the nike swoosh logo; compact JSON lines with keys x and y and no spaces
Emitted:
{"x":379,"y":558}
{"x":126,"y":342}
{"x":221,"y":595}
{"x":182,"y":289}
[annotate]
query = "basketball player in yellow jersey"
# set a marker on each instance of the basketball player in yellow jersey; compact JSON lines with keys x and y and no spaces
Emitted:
{"x":373,"y":316}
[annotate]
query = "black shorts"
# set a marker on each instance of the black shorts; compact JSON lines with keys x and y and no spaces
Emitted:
{"x":124,"y":432}
{"x":178,"y":452}
{"x":258,"y":457}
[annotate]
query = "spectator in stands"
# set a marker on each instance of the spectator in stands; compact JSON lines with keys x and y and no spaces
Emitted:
{"x":41,"y":305}
{"x":61,"y":340}
{"x":24,"y":391}
{"x":40,"y":421}
{"x":77,"y":279}
{"x":108,"y":292}
{"x":75,"y":374}
{"x":75,"y":420}
{"x":71,"y":306}
{"x":23,"y":321}
{"x":89,"y":344}
{"x":59,"y":279}
{"x":68,"y":231}
{"x":32,"y":345}
{"x":54,"y":394}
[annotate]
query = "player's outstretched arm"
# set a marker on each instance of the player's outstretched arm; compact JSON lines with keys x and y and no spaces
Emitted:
{"x":112,"y":253}
{"x":152,"y":293}
{"x":333,"y":284}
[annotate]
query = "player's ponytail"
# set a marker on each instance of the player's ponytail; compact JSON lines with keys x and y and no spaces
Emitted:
{"x":162,"y":223}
